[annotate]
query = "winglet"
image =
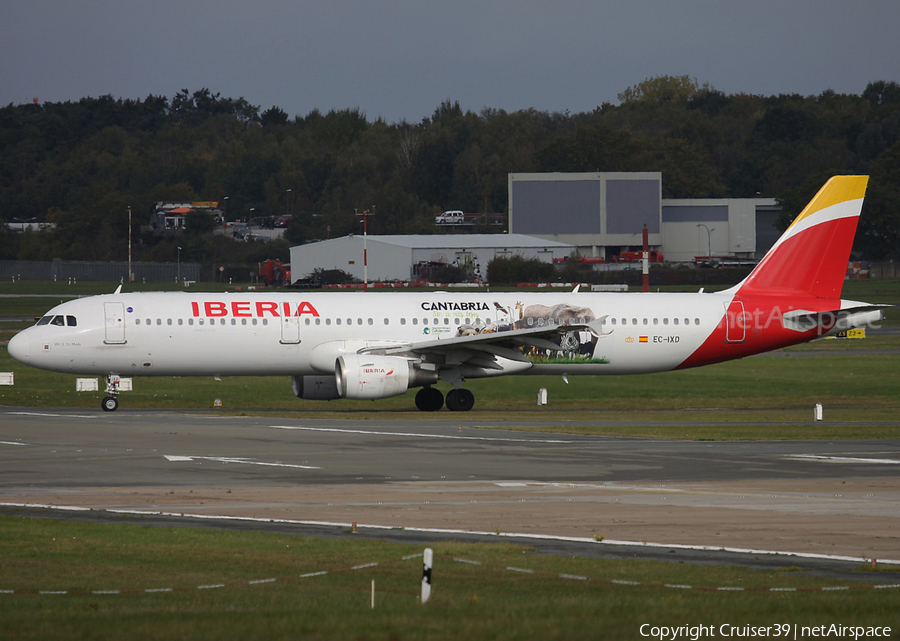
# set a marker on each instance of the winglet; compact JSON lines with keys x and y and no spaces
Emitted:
{"x":811,"y":256}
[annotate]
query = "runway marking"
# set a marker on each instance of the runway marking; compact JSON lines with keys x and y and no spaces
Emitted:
{"x":51,"y":415}
{"x":492,"y":534}
{"x":225,"y":459}
{"x":11,"y":443}
{"x":414,"y":435}
{"x":844,"y":459}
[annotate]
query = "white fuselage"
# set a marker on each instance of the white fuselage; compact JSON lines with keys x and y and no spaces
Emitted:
{"x":287,"y":333}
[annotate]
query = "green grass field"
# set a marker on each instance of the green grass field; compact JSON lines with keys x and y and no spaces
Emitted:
{"x":484,"y":601}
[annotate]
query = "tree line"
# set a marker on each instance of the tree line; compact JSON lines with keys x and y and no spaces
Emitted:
{"x":81,"y":164}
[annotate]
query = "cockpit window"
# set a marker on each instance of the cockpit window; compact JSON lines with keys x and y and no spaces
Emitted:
{"x":59,"y":320}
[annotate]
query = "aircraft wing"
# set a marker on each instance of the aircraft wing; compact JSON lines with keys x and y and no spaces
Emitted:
{"x":484,"y":349}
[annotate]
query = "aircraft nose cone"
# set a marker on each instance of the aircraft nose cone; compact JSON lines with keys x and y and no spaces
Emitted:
{"x":19,"y":348}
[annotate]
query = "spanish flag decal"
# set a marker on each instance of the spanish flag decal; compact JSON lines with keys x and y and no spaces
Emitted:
{"x":643,"y":339}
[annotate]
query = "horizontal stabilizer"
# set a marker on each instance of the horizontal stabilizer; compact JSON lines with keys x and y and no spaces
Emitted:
{"x":802,"y":320}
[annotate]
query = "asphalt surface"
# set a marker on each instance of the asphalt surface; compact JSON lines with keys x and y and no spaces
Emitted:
{"x":836,"y":503}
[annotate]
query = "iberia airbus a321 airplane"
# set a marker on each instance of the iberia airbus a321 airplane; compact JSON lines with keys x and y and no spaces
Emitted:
{"x":376,"y":345}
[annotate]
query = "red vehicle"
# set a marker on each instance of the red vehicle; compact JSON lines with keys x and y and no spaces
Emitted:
{"x":274,"y":272}
{"x":637,"y":256}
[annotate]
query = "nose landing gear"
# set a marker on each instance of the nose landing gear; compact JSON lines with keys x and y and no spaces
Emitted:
{"x":110,"y":403}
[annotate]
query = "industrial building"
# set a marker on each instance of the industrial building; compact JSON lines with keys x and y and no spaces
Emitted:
{"x":403,"y":258}
{"x":553,"y":215}
{"x":603,"y":213}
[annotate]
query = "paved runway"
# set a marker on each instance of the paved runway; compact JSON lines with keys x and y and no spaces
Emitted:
{"x":838,"y":498}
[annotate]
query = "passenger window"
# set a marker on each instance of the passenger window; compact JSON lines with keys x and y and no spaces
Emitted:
{"x":306,"y":321}
{"x":137,"y":321}
{"x":387,"y":321}
{"x":168,"y":321}
{"x":371,"y":322}
{"x":415,"y":321}
{"x":328,"y":321}
{"x":665,"y":321}
{"x":696,"y":321}
{"x":687,"y":321}
{"x":190,"y":321}
{"x":675,"y":320}
{"x":199,"y":320}
{"x":634,"y":321}
{"x":403,"y":321}
{"x":656,"y":321}
{"x":612,"y":321}
{"x":318,"y":321}
{"x":646,"y":321}
{"x":159,"y":321}
{"x":337,"y":321}
{"x":446,"y":321}
{"x":181,"y":321}
{"x":71,"y":322}
{"x":359,"y":321}
{"x":253,"y":321}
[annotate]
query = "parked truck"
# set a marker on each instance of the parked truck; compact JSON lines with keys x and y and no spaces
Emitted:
{"x":274,"y":272}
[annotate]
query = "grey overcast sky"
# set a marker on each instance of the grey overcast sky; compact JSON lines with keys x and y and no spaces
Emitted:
{"x":399,"y":59}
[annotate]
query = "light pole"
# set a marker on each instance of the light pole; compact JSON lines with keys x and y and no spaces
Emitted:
{"x":225,"y":212}
{"x":708,"y":240}
{"x":365,"y":216}
{"x":130,"y":273}
{"x":178,"y":263}
{"x":288,"y":192}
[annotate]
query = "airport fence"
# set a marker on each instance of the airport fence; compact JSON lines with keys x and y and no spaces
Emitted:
{"x":58,"y":269}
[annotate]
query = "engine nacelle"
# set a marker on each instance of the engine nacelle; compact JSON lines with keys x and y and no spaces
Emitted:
{"x":315,"y":388}
{"x":362,"y":376}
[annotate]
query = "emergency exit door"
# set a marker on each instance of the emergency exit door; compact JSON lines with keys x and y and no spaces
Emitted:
{"x":290,"y":325}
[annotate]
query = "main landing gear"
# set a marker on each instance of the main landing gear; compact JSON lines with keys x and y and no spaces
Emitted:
{"x":110,"y":403}
{"x":430,"y":399}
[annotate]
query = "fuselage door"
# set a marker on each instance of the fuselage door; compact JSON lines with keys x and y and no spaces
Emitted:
{"x":114,"y":313}
{"x":735,"y":323}
{"x":290,"y":325}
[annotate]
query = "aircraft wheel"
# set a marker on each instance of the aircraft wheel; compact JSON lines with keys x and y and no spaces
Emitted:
{"x":460,"y":400}
{"x":110,"y":404}
{"x":429,"y":399}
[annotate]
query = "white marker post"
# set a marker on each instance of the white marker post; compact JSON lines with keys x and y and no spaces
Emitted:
{"x":426,"y":576}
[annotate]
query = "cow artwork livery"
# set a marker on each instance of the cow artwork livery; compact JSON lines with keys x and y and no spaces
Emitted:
{"x":375,"y":345}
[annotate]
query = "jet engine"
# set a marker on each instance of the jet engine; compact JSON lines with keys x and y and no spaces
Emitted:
{"x":315,"y":388}
{"x":363,"y":376}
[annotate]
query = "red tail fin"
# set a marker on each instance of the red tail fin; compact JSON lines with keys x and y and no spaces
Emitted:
{"x":811,"y":256}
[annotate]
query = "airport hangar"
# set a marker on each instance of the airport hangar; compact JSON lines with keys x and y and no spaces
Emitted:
{"x":404,"y":258}
{"x":552,"y":215}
